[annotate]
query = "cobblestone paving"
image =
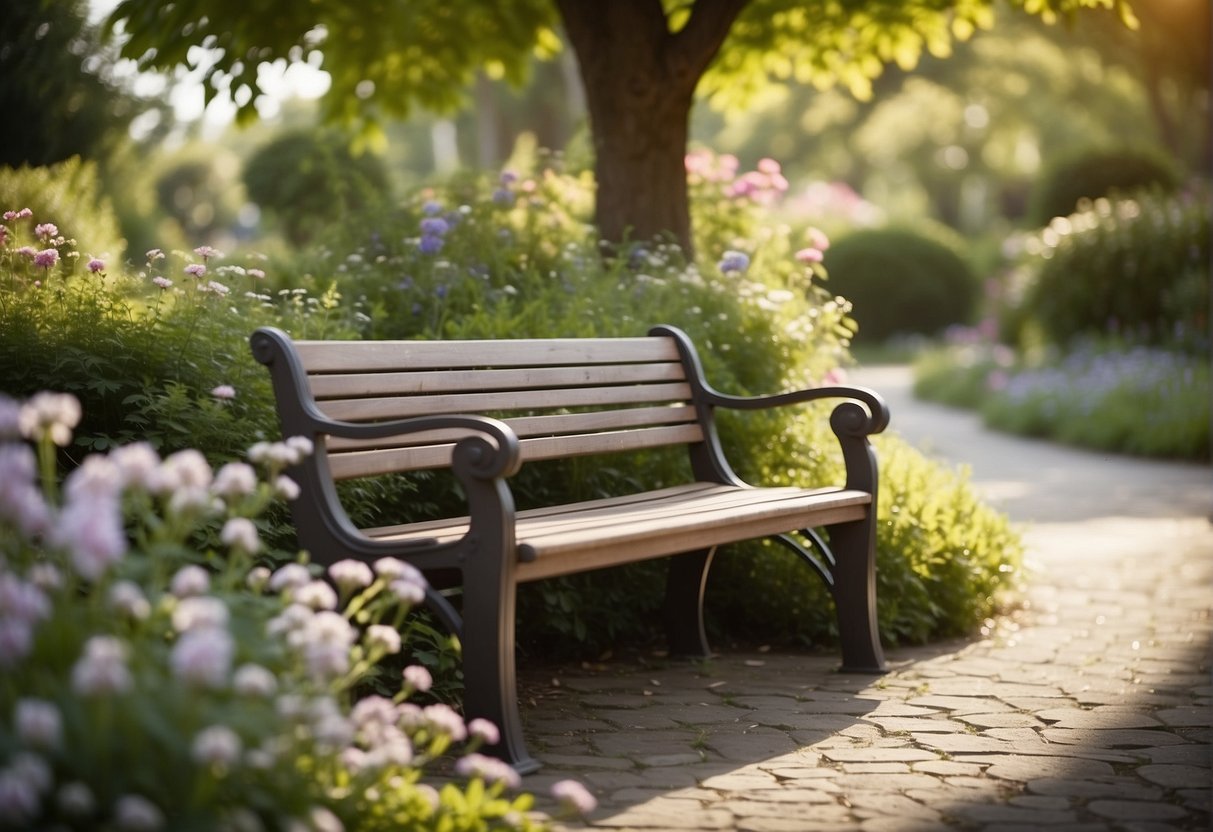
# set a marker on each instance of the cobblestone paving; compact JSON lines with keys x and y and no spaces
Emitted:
{"x":1090,"y":709}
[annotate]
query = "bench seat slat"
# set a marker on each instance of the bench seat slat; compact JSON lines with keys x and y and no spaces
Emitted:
{"x":351,"y":464}
{"x":349,"y":385}
{"x":362,"y":356}
{"x":582,"y":536}
{"x":368,"y":410}
{"x":531,"y":426}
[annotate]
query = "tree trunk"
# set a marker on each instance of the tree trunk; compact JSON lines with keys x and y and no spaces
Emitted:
{"x":640,"y":81}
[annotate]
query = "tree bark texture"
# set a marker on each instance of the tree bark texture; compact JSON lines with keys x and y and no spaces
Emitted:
{"x":640,"y":82}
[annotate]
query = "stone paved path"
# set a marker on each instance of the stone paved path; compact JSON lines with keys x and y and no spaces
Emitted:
{"x":1092,"y":709}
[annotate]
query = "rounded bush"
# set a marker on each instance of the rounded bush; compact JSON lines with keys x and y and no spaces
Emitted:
{"x":902,"y":281}
{"x":1095,"y":173}
{"x":1135,"y":267}
{"x":306,"y":178}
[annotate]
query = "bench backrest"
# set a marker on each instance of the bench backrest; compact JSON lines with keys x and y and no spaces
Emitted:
{"x":563,"y":397}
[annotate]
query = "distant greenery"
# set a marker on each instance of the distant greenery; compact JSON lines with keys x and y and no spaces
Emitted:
{"x":903,"y":280}
{"x":1090,"y":174}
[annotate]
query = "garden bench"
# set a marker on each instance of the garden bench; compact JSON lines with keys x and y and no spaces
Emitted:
{"x":482,"y":408}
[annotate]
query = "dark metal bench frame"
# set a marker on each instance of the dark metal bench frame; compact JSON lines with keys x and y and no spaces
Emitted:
{"x":487,"y":451}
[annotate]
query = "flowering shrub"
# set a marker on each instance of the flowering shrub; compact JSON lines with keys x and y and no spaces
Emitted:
{"x":150,"y":684}
{"x":1111,"y":396}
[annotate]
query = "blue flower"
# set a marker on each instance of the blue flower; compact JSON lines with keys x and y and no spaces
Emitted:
{"x":503,"y":197}
{"x":432,"y":208}
{"x":734,"y":262}
{"x":434,"y":226}
{"x":429,"y":244}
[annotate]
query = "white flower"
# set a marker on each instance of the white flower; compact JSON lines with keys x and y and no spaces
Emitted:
{"x":407,"y":592}
{"x":254,"y":680}
{"x":235,"y":479}
{"x":45,"y":576}
{"x":383,"y":637}
{"x":76,"y":800}
{"x":199,"y":612}
{"x":288,"y":622}
{"x":133,"y":813}
{"x":240,"y":533}
{"x":96,"y":478}
{"x":332,"y":732}
{"x":16,"y":640}
{"x":217,"y":745}
{"x":258,"y":578}
{"x":190,"y":580}
{"x":320,"y":819}
{"x":315,"y":594}
{"x":137,"y":464}
{"x":54,"y":414}
{"x":38,"y":723}
{"x":290,"y":576}
{"x":91,"y":531}
{"x":22,"y":600}
{"x":127,"y":598}
{"x":301,"y":445}
{"x":102,"y":669}
{"x":484,"y":731}
{"x":488,"y":769}
{"x":203,"y":657}
{"x":325,"y":642}
{"x":34,"y":770}
{"x":286,"y":488}
{"x":186,"y":469}
{"x":574,"y":796}
{"x":444,"y":720}
{"x":351,"y":574}
{"x":395,"y":569}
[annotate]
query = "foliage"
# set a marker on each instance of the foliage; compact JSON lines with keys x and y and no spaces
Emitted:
{"x":1112,"y":396}
{"x":198,"y":188}
{"x":59,"y":99}
{"x":1089,"y":174}
{"x":1138,"y":267}
{"x":304,"y":177}
{"x":69,"y":194}
{"x":902,"y":280}
{"x":126,"y":662}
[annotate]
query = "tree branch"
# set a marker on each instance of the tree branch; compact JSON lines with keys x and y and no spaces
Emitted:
{"x":695,"y":47}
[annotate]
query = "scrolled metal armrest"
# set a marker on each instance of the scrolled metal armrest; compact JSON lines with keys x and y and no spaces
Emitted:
{"x":476,"y":454}
{"x":848,"y":417}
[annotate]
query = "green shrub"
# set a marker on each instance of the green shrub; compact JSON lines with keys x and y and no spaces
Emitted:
{"x":68,"y":195}
{"x":305,"y":178}
{"x":902,"y":281}
{"x":1134,"y":267}
{"x":1091,"y":174}
{"x":198,"y":187}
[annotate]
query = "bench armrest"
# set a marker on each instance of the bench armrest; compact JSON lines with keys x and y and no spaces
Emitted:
{"x":858,"y":422}
{"x":483,"y":459}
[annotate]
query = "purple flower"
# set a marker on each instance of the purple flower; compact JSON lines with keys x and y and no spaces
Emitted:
{"x":206,"y":252}
{"x":16,"y":215}
{"x":154,"y":254}
{"x":46,"y":258}
{"x":96,"y":265}
{"x":417,"y":678}
{"x":503,"y":196}
{"x":195,"y":269}
{"x":431,"y":208}
{"x":46,"y":230}
{"x":430,"y":244}
{"x":434,"y":226}
{"x":162,"y":282}
{"x":734,"y":262}
{"x":27,"y":251}
{"x":257,"y":273}
{"x":508,"y":177}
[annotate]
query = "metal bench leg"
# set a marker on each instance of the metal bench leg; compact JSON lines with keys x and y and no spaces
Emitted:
{"x":685,"y":584}
{"x":854,"y":589}
{"x":490,"y":686}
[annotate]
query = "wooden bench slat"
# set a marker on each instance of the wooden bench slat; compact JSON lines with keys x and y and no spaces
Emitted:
{"x":350,"y":385}
{"x":590,"y":535}
{"x":530,"y":426}
{"x":352,"y":464}
{"x":360,"y":356}
{"x":368,"y":410}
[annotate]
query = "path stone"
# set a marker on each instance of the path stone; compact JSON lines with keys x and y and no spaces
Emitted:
{"x":1177,"y":777}
{"x":1135,"y":810}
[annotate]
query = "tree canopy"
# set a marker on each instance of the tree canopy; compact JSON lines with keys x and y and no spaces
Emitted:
{"x":641,"y":62}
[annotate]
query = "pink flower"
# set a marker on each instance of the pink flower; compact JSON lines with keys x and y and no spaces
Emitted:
{"x":96,"y":265}
{"x":137,"y":814}
{"x":38,"y":723}
{"x":16,"y":640}
{"x":206,"y":252}
{"x":574,"y":797}
{"x":235,"y":479}
{"x":102,"y":668}
{"x":91,"y":531}
{"x":46,"y":230}
{"x":189,"y":581}
{"x":417,"y":678}
{"x":162,"y":282}
{"x":17,"y":215}
{"x":27,"y":251}
{"x":46,"y":258}
{"x":769,"y":166}
{"x":224,"y":391}
{"x":50,"y":413}
{"x":383,"y":637}
{"x":351,"y":574}
{"x":810,"y":255}
{"x":241,"y":534}
{"x":485,"y":731}
{"x":154,"y":255}
{"x":195,"y":269}
{"x":257,"y":273}
{"x":202,"y":657}
{"x":217,"y":745}
{"x":817,"y":238}
{"x":488,"y":769}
